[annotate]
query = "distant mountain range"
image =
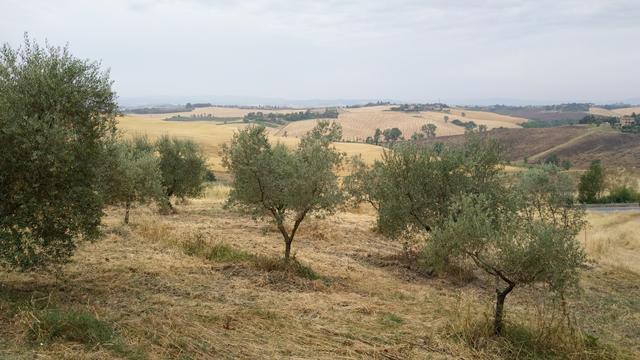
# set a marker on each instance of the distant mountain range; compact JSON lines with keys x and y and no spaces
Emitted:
{"x":147,"y":101}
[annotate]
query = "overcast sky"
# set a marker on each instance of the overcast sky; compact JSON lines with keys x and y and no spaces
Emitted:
{"x":452,"y":50}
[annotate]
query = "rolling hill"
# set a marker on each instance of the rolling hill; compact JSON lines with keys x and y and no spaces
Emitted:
{"x":578,"y":144}
{"x":358,"y":123}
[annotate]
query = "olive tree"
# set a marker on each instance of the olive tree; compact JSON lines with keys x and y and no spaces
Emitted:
{"x":132,"y":175}
{"x":57,"y":117}
{"x":527,"y":235}
{"x":429,"y":130}
{"x":286,"y":184}
{"x":412,"y":186}
{"x":183,"y":168}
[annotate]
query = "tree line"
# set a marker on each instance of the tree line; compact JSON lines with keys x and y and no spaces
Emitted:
{"x":278,"y":118}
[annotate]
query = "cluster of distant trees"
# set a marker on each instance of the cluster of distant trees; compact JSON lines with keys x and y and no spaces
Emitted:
{"x":369,"y":104}
{"x":158,"y":110}
{"x":282,"y":118}
{"x":420,"y":107}
{"x":614,"y":106}
{"x":569,"y":107}
{"x":469,"y":125}
{"x":191,"y":117}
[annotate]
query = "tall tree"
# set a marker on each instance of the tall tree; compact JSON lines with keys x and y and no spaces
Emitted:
{"x":591,"y":183}
{"x":57,"y":117}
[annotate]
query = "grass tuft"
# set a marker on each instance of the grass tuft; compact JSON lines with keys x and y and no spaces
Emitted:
{"x":293,"y":267}
{"x":219,"y":252}
{"x":70,"y":325}
{"x":391,"y":319}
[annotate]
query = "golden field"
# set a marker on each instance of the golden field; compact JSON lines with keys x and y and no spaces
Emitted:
{"x":614,"y":112}
{"x":359,"y":123}
{"x":167,"y":301}
{"x":211,"y":135}
{"x":217,"y":111}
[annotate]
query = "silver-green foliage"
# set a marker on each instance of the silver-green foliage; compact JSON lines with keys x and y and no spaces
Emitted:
{"x":412,"y":186}
{"x":57,"y":116}
{"x":526,"y":235}
{"x":183,"y":168}
{"x":132,"y":174}
{"x":287,"y":184}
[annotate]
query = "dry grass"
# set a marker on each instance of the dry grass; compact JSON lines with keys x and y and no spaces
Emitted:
{"x":613,"y":239}
{"x":614,"y":112}
{"x":185,"y":287}
{"x":359,"y":123}
{"x":627,"y":111}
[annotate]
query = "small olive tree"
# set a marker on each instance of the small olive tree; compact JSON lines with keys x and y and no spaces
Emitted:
{"x":133,"y":175}
{"x":287,"y":184}
{"x":525,"y":236}
{"x":57,"y":118}
{"x":183,"y":168}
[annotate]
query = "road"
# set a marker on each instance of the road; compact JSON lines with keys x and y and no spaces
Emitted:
{"x":604,"y":208}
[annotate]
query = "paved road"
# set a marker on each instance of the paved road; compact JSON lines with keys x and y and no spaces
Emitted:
{"x":613,"y":208}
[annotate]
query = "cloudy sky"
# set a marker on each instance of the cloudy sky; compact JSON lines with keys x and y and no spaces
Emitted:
{"x":449,"y":50}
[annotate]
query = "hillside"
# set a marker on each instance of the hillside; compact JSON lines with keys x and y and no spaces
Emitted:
{"x":578,"y":144}
{"x":210,"y":135}
{"x":154,"y":285}
{"x":358,"y":123}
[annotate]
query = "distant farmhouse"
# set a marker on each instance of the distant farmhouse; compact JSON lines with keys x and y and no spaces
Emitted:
{"x":627,"y":120}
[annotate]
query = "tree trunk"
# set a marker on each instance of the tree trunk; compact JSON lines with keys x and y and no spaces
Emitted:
{"x":500,"y":298}
{"x":127,"y":206}
{"x":287,"y":249}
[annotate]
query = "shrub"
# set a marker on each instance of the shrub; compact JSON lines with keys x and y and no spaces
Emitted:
{"x":57,"y":117}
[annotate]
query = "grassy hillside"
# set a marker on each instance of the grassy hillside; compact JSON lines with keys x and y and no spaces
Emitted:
{"x":579,"y":144}
{"x":199,"y":285}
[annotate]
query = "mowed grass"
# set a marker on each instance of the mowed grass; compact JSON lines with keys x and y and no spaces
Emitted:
{"x":208,"y":283}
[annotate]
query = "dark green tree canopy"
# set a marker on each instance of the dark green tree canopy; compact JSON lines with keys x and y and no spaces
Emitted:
{"x":591,"y":183}
{"x":57,"y":116}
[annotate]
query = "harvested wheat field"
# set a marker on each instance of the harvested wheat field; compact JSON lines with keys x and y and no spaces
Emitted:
{"x":202,"y":284}
{"x":210,"y":135}
{"x":217,"y":111}
{"x":359,"y":123}
{"x":627,"y":111}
